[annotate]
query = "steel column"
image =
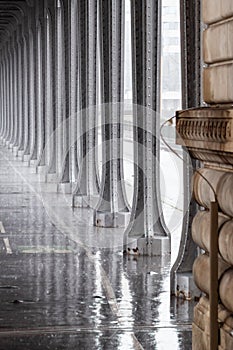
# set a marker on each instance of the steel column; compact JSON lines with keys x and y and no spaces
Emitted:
{"x":15,"y":89}
{"x":181,"y":272}
{"x":20,"y":90}
{"x":51,"y":52}
{"x":112,"y":209}
{"x":147,"y":230}
{"x":32,"y":86}
{"x":74,"y":88}
{"x":86,"y":191}
{"x":64,"y":98}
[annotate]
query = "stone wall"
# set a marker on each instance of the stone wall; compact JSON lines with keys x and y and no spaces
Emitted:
{"x":208,"y":134}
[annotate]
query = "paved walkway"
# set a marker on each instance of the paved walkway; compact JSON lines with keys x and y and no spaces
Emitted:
{"x":67,"y":285}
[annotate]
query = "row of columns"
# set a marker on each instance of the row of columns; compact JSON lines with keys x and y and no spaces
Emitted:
{"x":61,"y":66}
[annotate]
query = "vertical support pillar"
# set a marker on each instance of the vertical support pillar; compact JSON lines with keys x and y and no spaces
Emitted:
{"x":32,"y":87}
{"x":26,"y":100}
{"x":8,"y":93}
{"x":41,"y":85}
{"x":181,"y":272}
{"x":147,"y":230}
{"x":51,"y":47}
{"x":15,"y":88}
{"x":4,"y":96}
{"x":86,"y":191}
{"x":11,"y":86}
{"x":20,"y":86}
{"x":64,"y":98}
{"x":73,"y":86}
{"x":112,"y":209}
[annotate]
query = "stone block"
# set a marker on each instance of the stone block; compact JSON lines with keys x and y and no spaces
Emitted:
{"x":216,"y":10}
{"x":224,"y":49}
{"x":218,"y":84}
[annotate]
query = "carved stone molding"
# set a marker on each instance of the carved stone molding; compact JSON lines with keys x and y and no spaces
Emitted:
{"x":205,"y":129}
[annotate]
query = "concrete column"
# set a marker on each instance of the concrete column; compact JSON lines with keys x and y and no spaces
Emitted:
{"x":112,"y":209}
{"x":86,"y":191}
{"x":147,"y":230}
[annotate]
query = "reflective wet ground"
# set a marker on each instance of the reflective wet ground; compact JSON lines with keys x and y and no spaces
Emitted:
{"x":67,"y":285}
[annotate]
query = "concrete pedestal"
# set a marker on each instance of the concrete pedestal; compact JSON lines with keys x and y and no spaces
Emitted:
{"x":106,"y":219}
{"x":154,"y":246}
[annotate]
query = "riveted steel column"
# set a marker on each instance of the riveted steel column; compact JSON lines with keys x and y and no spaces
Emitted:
{"x":60,"y":85}
{"x":1,"y":99}
{"x":181,"y":273}
{"x":64,"y":105}
{"x":73,"y":86}
{"x":2,"y":126}
{"x":86,"y":191}
{"x":51,"y":47}
{"x":112,"y":209}
{"x":11,"y":90}
{"x":147,"y":230}
{"x":4,"y":95}
{"x":32,"y":86}
{"x":26,"y":98}
{"x":15,"y":91}
{"x":20,"y":90}
{"x":40,"y":84}
{"x":8,"y":93}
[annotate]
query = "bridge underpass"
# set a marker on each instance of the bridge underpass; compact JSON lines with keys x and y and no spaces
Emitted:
{"x":89,"y":259}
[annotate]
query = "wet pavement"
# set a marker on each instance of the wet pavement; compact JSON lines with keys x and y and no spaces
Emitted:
{"x":65,"y":284}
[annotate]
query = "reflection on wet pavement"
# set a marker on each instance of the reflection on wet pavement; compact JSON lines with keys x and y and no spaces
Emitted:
{"x":67,"y":285}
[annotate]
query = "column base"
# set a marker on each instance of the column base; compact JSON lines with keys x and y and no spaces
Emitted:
{"x":107,"y":219}
{"x":51,"y":183}
{"x":51,"y":178}
{"x":33,"y":162}
{"x":15,"y":151}
{"x":65,"y":188}
{"x":11,"y":146}
{"x":154,"y":246}
{"x":185,"y":286}
{"x":7,"y":144}
{"x":26,"y":158}
{"x":41,"y":171}
{"x":20,"y":153}
{"x":79,"y":201}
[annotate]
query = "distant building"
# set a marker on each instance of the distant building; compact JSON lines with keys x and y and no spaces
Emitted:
{"x":170,"y":61}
